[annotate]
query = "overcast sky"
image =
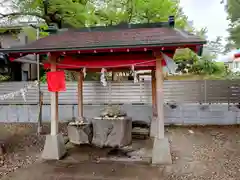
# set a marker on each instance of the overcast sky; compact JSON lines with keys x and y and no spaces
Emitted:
{"x":207,"y":13}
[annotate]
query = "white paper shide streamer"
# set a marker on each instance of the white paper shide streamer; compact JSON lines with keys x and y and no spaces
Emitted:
{"x":135,"y":80}
{"x":21,"y":92}
{"x":84,"y":72}
{"x":103,"y":77}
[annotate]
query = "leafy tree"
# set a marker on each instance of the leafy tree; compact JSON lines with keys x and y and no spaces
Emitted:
{"x":229,"y":46}
{"x":232,"y":8}
{"x":78,"y":13}
{"x":74,"y":13}
{"x":206,"y":66}
{"x":216,"y":46}
{"x":189,"y":62}
{"x":185,"y":58}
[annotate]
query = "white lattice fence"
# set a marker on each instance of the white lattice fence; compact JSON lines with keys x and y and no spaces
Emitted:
{"x":217,"y":91}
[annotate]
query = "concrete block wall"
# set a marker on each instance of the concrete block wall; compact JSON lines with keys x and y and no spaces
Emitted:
{"x":214,"y":114}
{"x":183,"y":114}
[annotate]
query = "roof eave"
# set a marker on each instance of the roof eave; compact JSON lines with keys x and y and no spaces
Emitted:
{"x":40,"y":50}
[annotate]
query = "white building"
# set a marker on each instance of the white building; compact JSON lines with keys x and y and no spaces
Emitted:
{"x":10,"y":36}
{"x":232,"y":62}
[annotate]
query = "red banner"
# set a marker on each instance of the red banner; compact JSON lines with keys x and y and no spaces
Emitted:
{"x":56,"y":81}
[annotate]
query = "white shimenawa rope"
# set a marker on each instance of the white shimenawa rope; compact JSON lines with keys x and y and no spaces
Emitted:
{"x":21,"y":92}
{"x":103,"y":78}
{"x":105,"y":67}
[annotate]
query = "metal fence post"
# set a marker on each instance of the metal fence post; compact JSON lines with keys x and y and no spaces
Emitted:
{"x":228,"y":94}
{"x":205,"y":91}
{"x":73,"y":114}
{"x":141,"y":84}
{"x":109,"y":92}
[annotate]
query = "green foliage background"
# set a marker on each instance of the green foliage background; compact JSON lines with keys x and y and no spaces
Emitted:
{"x":81,"y":13}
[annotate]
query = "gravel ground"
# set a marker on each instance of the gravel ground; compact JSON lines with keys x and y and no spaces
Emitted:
{"x":205,"y":153}
{"x":201,"y":153}
{"x":21,"y":144}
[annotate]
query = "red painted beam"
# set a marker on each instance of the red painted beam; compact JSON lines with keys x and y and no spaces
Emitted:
{"x":122,"y":69}
{"x":116,"y":64}
{"x":140,"y":60}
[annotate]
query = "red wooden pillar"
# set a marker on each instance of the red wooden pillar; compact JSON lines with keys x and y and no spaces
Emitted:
{"x":160,"y":97}
{"x":80,"y":95}
{"x":154,"y":101}
{"x":54,"y":102}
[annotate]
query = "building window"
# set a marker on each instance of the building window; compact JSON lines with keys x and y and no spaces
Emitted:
{"x":237,"y":65}
{"x":25,"y":75}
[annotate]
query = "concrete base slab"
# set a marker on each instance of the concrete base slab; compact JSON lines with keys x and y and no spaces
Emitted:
{"x":135,"y":160}
{"x":161,"y":152}
{"x":153,"y":127}
{"x":54,"y":148}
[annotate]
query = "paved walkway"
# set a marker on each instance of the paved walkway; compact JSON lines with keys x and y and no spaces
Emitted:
{"x":86,"y":171}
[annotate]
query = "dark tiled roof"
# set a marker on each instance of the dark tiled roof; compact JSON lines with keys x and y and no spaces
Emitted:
{"x":112,"y":37}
